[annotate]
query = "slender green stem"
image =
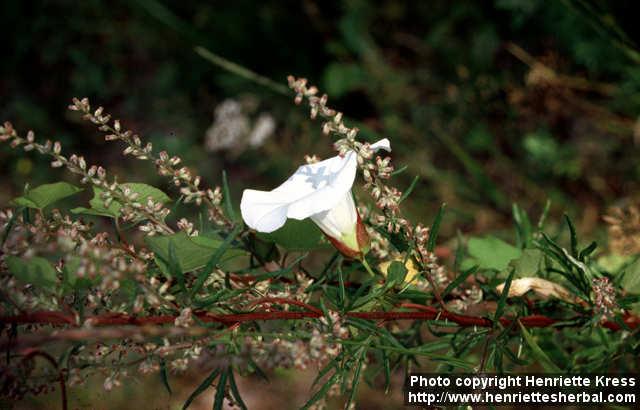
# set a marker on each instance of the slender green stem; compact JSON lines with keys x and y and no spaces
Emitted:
{"x":241,"y":71}
{"x":366,"y":266}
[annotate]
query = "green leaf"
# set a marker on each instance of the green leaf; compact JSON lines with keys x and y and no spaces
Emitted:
{"x":631,"y":279}
{"x":396,"y":272}
{"x":387,"y":371}
{"x":333,"y":364}
{"x":503,"y":297}
{"x":234,"y":390}
{"x":220,"y":391}
{"x":164,"y":376}
{"x":323,"y":390}
{"x":435,"y":227}
{"x":70,"y":280}
{"x":36,"y":270}
{"x":341,"y":78}
{"x":296,"y":235}
{"x":492,"y":253}
{"x":528,"y":264}
{"x":409,"y":190}
{"x":356,"y":374}
{"x":398,"y":240}
{"x":8,"y":228}
{"x":213,"y":261}
{"x":263,"y":250}
{"x":399,"y":170}
{"x":44,"y":195}
{"x":538,"y":353}
{"x":191,"y":253}
{"x":613,"y":262}
{"x":544,"y":214}
{"x":573,"y":236}
{"x":458,"y":280}
{"x":97,"y":208}
{"x":174,"y":265}
{"x":523,"y":226}
{"x":226,"y":192}
{"x":206,"y":383}
{"x":587,"y":251}
{"x":343,"y":294}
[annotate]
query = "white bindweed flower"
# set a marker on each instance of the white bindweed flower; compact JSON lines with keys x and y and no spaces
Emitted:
{"x":320,"y":191}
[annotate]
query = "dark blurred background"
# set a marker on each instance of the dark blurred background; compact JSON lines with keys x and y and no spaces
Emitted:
{"x":488,"y":102}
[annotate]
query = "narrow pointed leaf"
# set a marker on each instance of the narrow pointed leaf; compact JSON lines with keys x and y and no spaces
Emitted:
{"x":323,"y":390}
{"x":538,"y":353}
{"x":213,"y":261}
{"x":435,"y":227}
{"x":410,"y":189}
{"x":206,"y":383}
{"x":503,"y":297}
{"x":228,"y":204}
{"x":459,"y":279}
{"x":164,"y":376}
{"x":574,"y":238}
{"x":234,"y":390}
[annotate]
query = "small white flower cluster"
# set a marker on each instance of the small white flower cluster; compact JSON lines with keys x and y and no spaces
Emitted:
{"x":291,"y":352}
{"x":186,"y":226}
{"x":297,"y":291}
{"x":112,"y":381}
{"x":378,"y":244}
{"x":232,"y":129}
{"x":132,"y":208}
{"x":97,"y":259}
{"x":185,"y":319}
{"x":465,"y":299}
{"x":166,"y":165}
{"x":436,"y":273}
{"x":54,"y":232}
{"x":157,"y":293}
{"x":605,"y":297}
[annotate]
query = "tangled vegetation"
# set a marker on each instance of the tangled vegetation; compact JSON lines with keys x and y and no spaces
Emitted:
{"x":157,"y":292}
{"x":492,"y":228}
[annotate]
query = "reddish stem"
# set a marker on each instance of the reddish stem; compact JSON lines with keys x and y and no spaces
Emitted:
{"x":423,"y":313}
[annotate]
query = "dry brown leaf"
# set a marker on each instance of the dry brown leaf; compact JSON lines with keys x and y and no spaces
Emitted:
{"x":541,"y":287}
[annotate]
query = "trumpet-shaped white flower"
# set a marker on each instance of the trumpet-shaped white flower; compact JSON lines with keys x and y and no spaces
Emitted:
{"x":320,"y":191}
